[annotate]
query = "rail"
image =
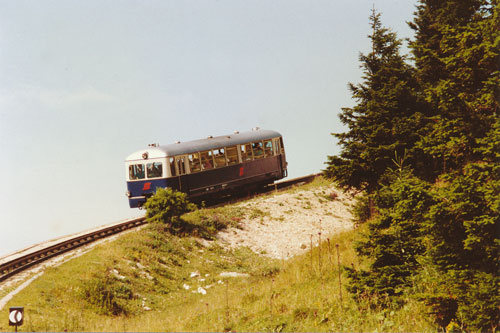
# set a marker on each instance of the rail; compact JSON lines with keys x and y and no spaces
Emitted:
{"x":17,"y":265}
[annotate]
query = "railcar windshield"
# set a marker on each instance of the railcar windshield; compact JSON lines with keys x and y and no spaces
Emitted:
{"x":136,"y":171}
{"x":154,"y":170}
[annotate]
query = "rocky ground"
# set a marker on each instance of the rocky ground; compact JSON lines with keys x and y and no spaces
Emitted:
{"x":285,"y":224}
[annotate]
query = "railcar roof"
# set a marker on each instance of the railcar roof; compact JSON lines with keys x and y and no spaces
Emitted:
{"x":194,"y":146}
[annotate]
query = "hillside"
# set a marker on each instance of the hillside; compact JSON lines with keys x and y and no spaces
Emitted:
{"x":245,"y":267}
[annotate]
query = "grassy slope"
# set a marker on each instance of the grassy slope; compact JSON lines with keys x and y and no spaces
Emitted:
{"x":149,"y":268}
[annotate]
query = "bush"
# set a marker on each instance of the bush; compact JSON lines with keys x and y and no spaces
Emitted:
{"x":166,"y":206}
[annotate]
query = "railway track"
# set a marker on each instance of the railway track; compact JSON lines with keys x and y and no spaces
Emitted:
{"x":21,"y":263}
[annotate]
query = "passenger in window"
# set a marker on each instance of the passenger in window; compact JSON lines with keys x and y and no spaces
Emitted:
{"x":220,"y":158}
{"x":257,"y":150}
{"x":154,"y":170}
{"x":205,"y":158}
{"x":140,"y":171}
{"x":268,"y":147}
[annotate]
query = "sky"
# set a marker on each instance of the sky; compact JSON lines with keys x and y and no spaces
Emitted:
{"x":83,"y":84}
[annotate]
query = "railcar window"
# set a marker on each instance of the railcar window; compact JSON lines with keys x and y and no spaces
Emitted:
{"x":136,"y":171}
{"x":282,"y":148}
{"x":232,"y":155}
{"x":246,"y":152}
{"x":276,"y":147}
{"x":258,"y":151}
{"x":268,"y":147}
{"x":180,"y":165}
{"x":207,"y":161}
{"x":194,"y":162}
{"x":172,"y":166}
{"x":154,"y":170}
{"x":220,"y":157}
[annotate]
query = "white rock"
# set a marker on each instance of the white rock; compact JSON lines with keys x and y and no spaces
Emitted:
{"x":194,"y":274}
{"x":117,"y":274}
{"x":185,"y":286}
{"x":233,"y":274}
{"x":202,"y":291}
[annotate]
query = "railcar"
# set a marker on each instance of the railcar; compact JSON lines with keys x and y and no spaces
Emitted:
{"x":206,"y":167}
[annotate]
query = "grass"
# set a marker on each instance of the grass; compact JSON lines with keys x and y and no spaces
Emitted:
{"x":137,"y":283}
{"x":106,"y":289}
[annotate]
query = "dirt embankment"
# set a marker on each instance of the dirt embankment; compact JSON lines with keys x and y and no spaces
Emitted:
{"x":283,"y":225}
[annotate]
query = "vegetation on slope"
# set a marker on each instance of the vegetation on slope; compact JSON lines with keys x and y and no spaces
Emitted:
{"x":158,"y":280}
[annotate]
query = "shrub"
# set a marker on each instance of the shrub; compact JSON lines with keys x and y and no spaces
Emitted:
{"x":166,"y":206}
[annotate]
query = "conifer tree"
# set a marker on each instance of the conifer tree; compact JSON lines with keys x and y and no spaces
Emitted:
{"x":393,"y":242}
{"x":444,"y":214}
{"x":463,"y":233}
{"x":456,"y":53}
{"x":386,"y":119}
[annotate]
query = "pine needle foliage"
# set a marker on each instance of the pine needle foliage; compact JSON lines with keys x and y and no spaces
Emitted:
{"x":436,"y":232}
{"x":387,"y":118}
{"x":393,"y":242}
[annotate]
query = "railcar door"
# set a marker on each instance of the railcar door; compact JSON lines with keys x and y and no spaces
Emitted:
{"x":180,"y":164}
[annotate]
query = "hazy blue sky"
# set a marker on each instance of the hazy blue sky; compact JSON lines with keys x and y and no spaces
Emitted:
{"x":85,"y":83}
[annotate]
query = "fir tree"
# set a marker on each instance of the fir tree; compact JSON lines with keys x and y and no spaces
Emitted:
{"x":386,"y":119}
{"x":456,"y":52}
{"x":442,"y":217}
{"x":393,"y":243}
{"x":463,"y":233}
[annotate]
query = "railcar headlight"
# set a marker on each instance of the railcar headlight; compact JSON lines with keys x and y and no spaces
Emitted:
{"x":128,"y":194}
